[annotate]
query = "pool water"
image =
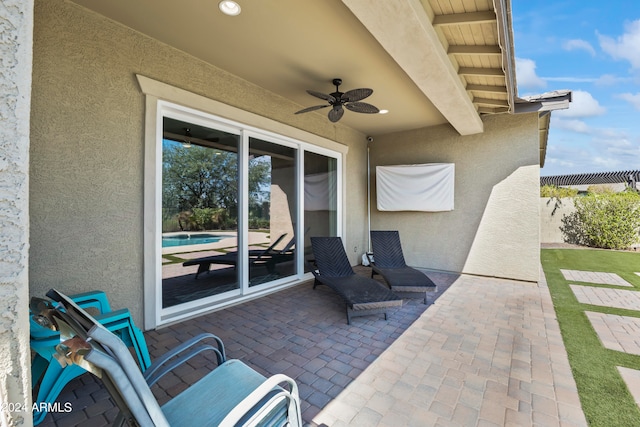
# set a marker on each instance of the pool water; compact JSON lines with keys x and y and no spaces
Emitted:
{"x":189,"y":239}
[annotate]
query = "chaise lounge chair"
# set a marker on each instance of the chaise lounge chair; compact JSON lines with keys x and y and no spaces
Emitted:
{"x":363,"y":296}
{"x":232,"y":394}
{"x":261,"y":257}
{"x":388,"y":261}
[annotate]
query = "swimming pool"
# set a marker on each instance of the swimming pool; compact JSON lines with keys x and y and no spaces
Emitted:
{"x":189,"y":239}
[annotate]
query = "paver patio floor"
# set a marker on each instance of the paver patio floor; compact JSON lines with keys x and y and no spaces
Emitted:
{"x":488,"y":352}
{"x":298,"y":331}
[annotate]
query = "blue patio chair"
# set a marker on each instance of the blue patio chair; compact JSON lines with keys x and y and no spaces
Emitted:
{"x":388,"y":261}
{"x":362,"y":295}
{"x":232,"y":394}
{"x":48,"y":377}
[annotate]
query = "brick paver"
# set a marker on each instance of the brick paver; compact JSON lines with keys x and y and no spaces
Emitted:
{"x":488,"y":352}
{"x":595,"y":277}
{"x":631,"y":378}
{"x":616,"y":298}
{"x":620,"y":333}
{"x":299,"y":331}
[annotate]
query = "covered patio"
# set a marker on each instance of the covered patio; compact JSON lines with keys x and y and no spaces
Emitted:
{"x":487,"y":352}
{"x":100,"y":94}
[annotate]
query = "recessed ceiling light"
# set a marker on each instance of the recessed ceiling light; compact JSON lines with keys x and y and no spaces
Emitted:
{"x":383,"y":111}
{"x":230,"y":8}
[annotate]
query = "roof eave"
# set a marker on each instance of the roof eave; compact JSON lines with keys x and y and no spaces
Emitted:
{"x":543,"y":104}
{"x":505,"y":39}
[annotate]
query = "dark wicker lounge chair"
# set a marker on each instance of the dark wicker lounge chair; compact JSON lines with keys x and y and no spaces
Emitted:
{"x":388,"y":261}
{"x":261,"y":257}
{"x":363,"y":296}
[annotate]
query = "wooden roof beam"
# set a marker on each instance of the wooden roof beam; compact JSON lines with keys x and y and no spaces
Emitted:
{"x":491,"y":102}
{"x":404,"y":29}
{"x":486,"y":88}
{"x":465,"y":18}
{"x":474,"y":50}
{"x":487,"y":72}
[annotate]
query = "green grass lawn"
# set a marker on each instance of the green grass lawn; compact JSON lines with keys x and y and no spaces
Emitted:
{"x":604,"y":396}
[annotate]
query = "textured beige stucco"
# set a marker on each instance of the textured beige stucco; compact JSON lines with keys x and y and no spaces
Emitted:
{"x":15,"y":86}
{"x":494,"y":228}
{"x":552,"y":211}
{"x":87,"y":151}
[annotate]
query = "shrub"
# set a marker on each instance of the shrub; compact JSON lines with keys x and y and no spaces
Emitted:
{"x":600,"y":189}
{"x":605,"y":220}
{"x":557,"y":192}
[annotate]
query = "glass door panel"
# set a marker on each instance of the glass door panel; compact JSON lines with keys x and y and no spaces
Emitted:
{"x":320,"y":198}
{"x":199,"y":212}
{"x":272,"y":211}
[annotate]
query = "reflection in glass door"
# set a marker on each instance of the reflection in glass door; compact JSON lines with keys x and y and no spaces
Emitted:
{"x":272,"y":211}
{"x":320,"y":198}
{"x":199,"y":212}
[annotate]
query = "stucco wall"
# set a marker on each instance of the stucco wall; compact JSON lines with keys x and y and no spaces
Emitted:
{"x":87,"y":148}
{"x":494,"y":228}
{"x":552,"y":211}
{"x":15,"y":86}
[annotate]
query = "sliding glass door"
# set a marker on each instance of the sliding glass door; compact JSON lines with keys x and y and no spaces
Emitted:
{"x":232,"y":206}
{"x":200,"y":196}
{"x":320,"y":197}
{"x":273,"y":209}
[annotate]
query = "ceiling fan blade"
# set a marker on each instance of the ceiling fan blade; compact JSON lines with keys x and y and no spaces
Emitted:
{"x":326,"y":97}
{"x":362,"y":107}
{"x":356,"y":94}
{"x":315,"y":107}
{"x":336,"y":113}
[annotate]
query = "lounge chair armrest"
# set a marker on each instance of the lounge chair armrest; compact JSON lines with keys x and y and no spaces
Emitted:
{"x":249,"y":402}
{"x":161,"y":370}
{"x":186,"y":346}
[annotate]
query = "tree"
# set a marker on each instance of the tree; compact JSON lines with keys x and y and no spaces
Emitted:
{"x":199,"y":177}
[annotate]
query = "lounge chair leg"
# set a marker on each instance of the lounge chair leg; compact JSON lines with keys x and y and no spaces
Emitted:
{"x":202,"y":268}
{"x":348,"y":316}
{"x":385,"y":315}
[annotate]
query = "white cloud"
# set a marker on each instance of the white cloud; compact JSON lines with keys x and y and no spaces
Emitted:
{"x":582,"y":105}
{"x":610,"y":80}
{"x":625,"y":47}
{"x":572,"y":125}
{"x":631,"y":99}
{"x":577,"y":44}
{"x":575,"y":147}
{"x":526,"y":74}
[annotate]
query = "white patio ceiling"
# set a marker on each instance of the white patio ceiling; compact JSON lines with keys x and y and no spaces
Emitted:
{"x":429,"y":62}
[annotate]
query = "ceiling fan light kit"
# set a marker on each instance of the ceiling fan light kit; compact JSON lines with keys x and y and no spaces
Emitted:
{"x":337,"y":100}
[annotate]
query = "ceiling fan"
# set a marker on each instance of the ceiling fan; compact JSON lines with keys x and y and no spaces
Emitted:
{"x":349,"y":99}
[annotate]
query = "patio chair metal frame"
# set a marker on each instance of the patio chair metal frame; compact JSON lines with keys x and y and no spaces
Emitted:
{"x":48,"y":377}
{"x":232,"y":394}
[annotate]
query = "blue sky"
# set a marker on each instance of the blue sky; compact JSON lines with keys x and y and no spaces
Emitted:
{"x":593,"y":49}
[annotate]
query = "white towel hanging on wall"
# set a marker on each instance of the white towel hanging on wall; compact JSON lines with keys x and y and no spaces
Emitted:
{"x":426,"y":187}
